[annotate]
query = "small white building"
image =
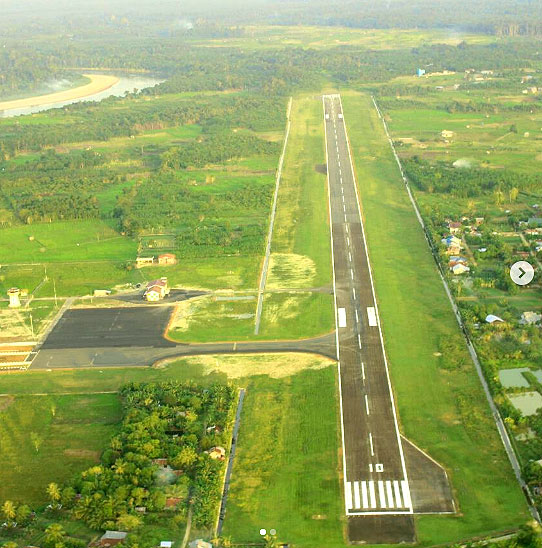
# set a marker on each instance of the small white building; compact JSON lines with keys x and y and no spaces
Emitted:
{"x":530,"y":318}
{"x":459,"y":268}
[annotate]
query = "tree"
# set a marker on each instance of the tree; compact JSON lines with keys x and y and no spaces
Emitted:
{"x":9,"y":510}
{"x":54,"y":493}
{"x":36,"y":440}
{"x":10,"y":544}
{"x":128,"y":522}
{"x":513,"y":194}
{"x":22,"y":514}
{"x":54,"y":534}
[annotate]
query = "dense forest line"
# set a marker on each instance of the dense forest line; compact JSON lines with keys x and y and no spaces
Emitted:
{"x":501,"y":17}
{"x":95,"y":122}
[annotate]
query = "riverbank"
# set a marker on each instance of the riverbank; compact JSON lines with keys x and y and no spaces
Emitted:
{"x":98,"y":83}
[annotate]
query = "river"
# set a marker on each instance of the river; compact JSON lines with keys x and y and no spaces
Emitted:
{"x":126,"y":82}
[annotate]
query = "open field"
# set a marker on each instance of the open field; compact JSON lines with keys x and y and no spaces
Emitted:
{"x":69,"y":432}
{"x":286,"y":470}
{"x":264,"y":37}
{"x":223,"y":318}
{"x":98,"y":82}
{"x":300,"y":252}
{"x":299,"y":456}
{"x":451,"y":420}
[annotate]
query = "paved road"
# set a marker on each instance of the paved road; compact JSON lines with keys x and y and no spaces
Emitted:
{"x":375,"y":479}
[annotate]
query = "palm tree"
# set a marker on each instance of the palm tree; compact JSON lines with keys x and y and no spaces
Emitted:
{"x":9,"y":510}
{"x":54,"y":534}
{"x":54,"y":493}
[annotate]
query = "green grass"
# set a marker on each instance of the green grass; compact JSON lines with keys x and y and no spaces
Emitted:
{"x":416,"y":316}
{"x":301,"y":225}
{"x":64,"y":241}
{"x":73,"y":430}
{"x":286,"y":468}
{"x":284,"y":316}
{"x":288,"y":442}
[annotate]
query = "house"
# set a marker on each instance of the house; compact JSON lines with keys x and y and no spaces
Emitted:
{"x":454,"y":227}
{"x":173,"y":502}
{"x":534,"y":221}
{"x":101,"y":292}
{"x":112,"y":538}
{"x":523,"y":254}
{"x":446,"y":134}
{"x":530,"y":318}
{"x":200,"y":543}
{"x":455,"y":259}
{"x":156,"y":290}
{"x":167,"y":259}
{"x":482,"y":250}
{"x":144,"y":261}
{"x":478,"y":220}
{"x":160,"y":462}
{"x":217,"y":453}
{"x":491,"y":318}
{"x":459,"y":269}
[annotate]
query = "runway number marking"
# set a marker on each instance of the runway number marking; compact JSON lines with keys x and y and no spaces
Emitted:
{"x":342,"y":317}
{"x":379,"y":467}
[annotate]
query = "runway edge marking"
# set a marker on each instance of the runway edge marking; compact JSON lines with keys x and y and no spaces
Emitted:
{"x":376,"y":306}
{"x":335,"y":304}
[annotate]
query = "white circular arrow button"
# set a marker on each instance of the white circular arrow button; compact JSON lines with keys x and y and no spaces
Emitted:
{"x":522,"y":273}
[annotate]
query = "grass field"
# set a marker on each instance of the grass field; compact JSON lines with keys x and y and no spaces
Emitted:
{"x":288,"y":439}
{"x":284,"y":316}
{"x":69,"y":431}
{"x":286,"y":470}
{"x":301,"y":234}
{"x":444,"y":412}
{"x":64,"y":241}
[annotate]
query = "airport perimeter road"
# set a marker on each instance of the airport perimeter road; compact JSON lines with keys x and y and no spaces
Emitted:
{"x":375,"y":476}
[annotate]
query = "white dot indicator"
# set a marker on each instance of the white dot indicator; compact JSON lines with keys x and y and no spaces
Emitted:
{"x":263,"y":532}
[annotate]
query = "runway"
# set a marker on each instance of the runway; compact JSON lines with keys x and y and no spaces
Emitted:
{"x":375,"y":475}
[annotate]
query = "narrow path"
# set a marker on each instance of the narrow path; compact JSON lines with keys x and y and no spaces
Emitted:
{"x":188,"y":527}
{"x":227,"y":478}
{"x":263,"y":277}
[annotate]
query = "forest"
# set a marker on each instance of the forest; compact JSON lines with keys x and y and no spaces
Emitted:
{"x":158,"y":461}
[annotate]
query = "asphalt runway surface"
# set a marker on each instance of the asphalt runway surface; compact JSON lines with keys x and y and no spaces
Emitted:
{"x":376,"y":485}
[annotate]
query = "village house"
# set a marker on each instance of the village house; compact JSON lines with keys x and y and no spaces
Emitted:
{"x":156,"y":290}
{"x":167,"y":259}
{"x":453,"y":245}
{"x":530,"y":318}
{"x":491,"y":318}
{"x":459,"y":268}
{"x":144,"y":261}
{"x":112,"y":538}
{"x":446,"y":134}
{"x":217,"y":453}
{"x":200,"y":543}
{"x":455,"y":259}
{"x":173,"y":502}
{"x":454,"y":227}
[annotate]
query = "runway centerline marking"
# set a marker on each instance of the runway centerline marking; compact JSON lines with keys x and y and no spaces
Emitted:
{"x":359,"y":341}
{"x":367,"y":404}
{"x":354,"y":292}
{"x":362,"y":370}
{"x":371,"y":444}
